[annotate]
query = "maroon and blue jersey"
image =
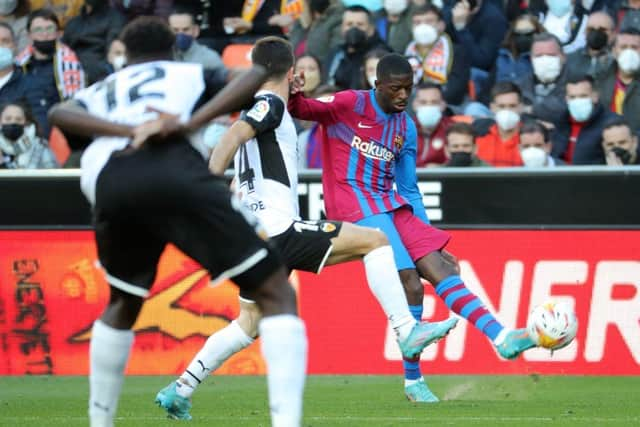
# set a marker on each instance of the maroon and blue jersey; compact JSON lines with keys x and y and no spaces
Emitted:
{"x":364,"y":151}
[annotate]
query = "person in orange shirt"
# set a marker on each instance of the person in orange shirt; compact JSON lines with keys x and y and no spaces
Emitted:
{"x":498,"y":145}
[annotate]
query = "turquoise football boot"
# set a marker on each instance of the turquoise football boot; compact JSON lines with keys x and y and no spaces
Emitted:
{"x":425,"y":333}
{"x":515,"y":343}
{"x":419,"y":392}
{"x":177,"y":406}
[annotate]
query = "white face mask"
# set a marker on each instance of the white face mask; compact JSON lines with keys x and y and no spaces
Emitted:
{"x":119,"y":61}
{"x":559,"y":8}
{"x":428,"y":115}
{"x":629,"y":61}
{"x":425,"y":34}
{"x":546,"y":67}
{"x":580,"y":108}
{"x":7,"y":6}
{"x":372,"y":81}
{"x":534,"y":157}
{"x":395,"y":7}
{"x":507,"y":119}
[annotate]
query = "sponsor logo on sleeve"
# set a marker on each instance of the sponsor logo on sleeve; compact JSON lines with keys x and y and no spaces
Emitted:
{"x":259,"y":110}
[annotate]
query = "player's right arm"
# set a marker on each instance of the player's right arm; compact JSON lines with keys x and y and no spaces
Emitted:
{"x":72,"y":116}
{"x":239,"y":133}
{"x":325,"y":110}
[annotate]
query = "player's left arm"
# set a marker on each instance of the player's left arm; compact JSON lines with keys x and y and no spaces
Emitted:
{"x":406,"y":177}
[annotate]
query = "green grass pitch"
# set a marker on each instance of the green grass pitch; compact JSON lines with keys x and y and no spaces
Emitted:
{"x":342,"y":401}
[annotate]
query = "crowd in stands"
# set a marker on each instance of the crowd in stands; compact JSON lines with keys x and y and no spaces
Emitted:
{"x":497,"y":83}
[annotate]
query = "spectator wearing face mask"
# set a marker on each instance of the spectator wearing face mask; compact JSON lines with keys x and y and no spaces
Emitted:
{"x":620,"y":144}
{"x":514,"y":57}
{"x":619,"y":89}
{"x":578,"y":132}
{"x":320,"y":33}
{"x":498,"y":145}
{"x":371,"y":60}
{"x":13,"y":85}
{"x":89,"y":35}
{"x":535,"y":146}
{"x":187,"y":49}
{"x":460,"y":147}
{"x":435,"y":58}
{"x":359,"y":37}
{"x":544,"y":90}
{"x":116,"y":56}
{"x":51,"y":68}
{"x":394,"y":24}
{"x":15,"y":13}
{"x":567,"y":20}
{"x":480,"y":27}
{"x":432,"y":123}
{"x":20,"y":147}
{"x":595,"y":58}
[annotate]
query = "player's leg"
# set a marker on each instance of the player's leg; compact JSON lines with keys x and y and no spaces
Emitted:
{"x":222,"y":237}
{"x":129,"y":256}
{"x":425,"y":243}
{"x":219,"y":347}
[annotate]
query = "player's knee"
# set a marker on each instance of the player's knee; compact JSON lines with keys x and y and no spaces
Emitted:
{"x":249,"y":318}
{"x":413,"y":287}
{"x":375,"y":239}
{"x":276,"y":296}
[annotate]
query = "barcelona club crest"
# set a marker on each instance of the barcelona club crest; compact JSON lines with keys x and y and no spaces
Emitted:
{"x":398,"y":141}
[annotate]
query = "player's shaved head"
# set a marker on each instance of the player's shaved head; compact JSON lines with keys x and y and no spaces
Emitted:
{"x":392,"y":64}
{"x":275,"y":54}
{"x":148,"y":37}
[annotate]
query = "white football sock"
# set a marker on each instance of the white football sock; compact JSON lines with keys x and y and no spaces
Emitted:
{"x":501,"y":336}
{"x":219,"y":347}
{"x":284,"y":347}
{"x":108,"y":354}
{"x":408,"y":382}
{"x":384,"y":282}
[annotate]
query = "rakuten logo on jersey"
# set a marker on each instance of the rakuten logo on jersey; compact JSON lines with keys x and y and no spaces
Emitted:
{"x":372,"y":150}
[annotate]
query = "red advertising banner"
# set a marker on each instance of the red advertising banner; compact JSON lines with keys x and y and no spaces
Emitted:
{"x":52,"y":288}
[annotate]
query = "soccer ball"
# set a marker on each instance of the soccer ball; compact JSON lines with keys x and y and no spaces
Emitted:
{"x":552,"y":325}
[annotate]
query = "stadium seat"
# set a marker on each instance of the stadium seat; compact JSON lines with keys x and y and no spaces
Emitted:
{"x":58,"y":144}
{"x":237,"y":56}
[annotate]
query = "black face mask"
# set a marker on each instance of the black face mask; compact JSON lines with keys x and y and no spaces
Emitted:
{"x":460,"y":158}
{"x":46,"y":47}
{"x":597,"y":39}
{"x":12,"y":131}
{"x":622,"y":154}
{"x":355,"y":38}
{"x":523,"y":42}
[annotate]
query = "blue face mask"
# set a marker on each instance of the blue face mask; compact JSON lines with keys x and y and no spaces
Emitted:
{"x":580,"y":109}
{"x":183,"y":41}
{"x":559,"y":7}
{"x":6,"y":57}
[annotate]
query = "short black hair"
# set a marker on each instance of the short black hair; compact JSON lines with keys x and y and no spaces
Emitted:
{"x":615,"y":122}
{"x":461,"y":128}
{"x":502,"y":88}
{"x":44,"y":13}
{"x":427,"y":8}
{"x":359,"y":9}
{"x":534,"y":126}
{"x":148,"y":36}
{"x":580,"y":78}
{"x":392,"y":64}
{"x":545,"y":37}
{"x":184,"y":10}
{"x":275,"y":54}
